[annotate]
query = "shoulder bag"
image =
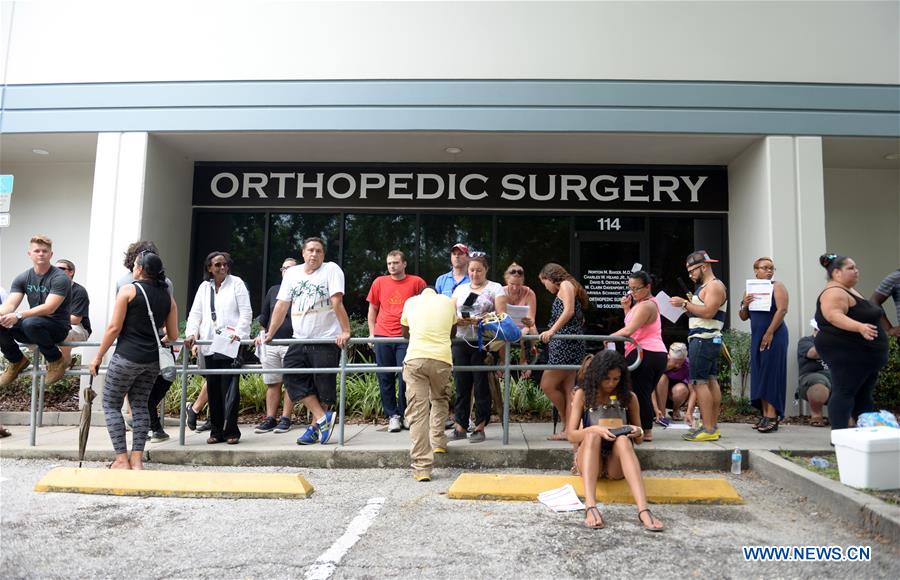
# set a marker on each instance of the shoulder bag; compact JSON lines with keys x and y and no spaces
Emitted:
{"x":166,"y":358}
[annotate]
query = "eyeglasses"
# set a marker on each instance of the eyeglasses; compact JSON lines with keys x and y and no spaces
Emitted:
{"x":638,"y":289}
{"x":515,"y":272}
{"x":65,"y":268}
{"x":691,"y":269}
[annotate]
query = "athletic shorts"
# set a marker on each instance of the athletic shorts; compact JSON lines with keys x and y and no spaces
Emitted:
{"x":305,"y":356}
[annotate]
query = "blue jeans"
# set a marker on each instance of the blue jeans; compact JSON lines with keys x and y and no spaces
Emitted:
{"x":43,"y":331}
{"x":391,"y":355}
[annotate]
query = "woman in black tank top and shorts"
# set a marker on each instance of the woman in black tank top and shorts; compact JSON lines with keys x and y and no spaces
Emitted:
{"x":850,"y":341}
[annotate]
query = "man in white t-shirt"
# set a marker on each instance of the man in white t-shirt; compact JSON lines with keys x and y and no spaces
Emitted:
{"x":315,"y":290}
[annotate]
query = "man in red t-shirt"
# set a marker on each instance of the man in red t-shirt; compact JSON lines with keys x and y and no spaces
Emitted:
{"x":386,"y":299}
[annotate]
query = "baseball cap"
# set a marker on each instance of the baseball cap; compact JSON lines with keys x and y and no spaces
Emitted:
{"x":698,"y":257}
{"x":461,"y":247}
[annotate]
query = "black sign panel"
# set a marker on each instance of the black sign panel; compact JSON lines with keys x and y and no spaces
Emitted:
{"x":463,"y":186}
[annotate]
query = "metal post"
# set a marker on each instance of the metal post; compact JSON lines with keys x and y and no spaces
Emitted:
{"x":343,"y":401}
{"x":42,"y":386}
{"x":506,"y":389}
{"x":35,"y":361}
{"x":182,"y":416}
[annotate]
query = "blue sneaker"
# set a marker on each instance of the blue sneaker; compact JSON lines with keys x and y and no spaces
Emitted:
{"x":310,"y":436}
{"x":326,"y":426}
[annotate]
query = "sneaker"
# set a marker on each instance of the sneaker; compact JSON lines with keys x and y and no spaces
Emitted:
{"x":703,"y":435}
{"x":56,"y":370}
{"x":476,"y":437}
{"x":191,"y":417}
{"x":457,"y":435}
{"x":267,"y":426}
{"x":284,"y":425}
{"x":326,"y":426}
{"x":309,"y":437}
{"x":471,"y":425}
{"x":394,"y":424}
{"x":13,"y":370}
{"x":206,"y":426}
{"x":664,"y":421}
{"x":422,"y":477}
{"x":405,"y":424}
{"x":448,"y":424}
{"x":158,"y":435}
{"x":440,"y":450}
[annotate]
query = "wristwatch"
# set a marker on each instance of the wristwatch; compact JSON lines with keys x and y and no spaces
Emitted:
{"x":18,"y":316}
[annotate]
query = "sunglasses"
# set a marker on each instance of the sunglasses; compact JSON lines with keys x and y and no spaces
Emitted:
{"x":515,"y":272}
{"x":66,"y":268}
{"x":477,"y":254}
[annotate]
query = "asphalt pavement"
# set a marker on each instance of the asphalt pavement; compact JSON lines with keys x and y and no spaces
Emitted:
{"x":416,"y":532}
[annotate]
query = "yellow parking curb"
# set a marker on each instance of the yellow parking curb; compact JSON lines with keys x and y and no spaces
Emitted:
{"x":703,"y":490}
{"x":175,"y":483}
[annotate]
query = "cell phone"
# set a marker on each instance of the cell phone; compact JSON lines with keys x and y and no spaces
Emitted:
{"x":470,"y":299}
{"x":623,"y":430}
{"x":466,"y":314}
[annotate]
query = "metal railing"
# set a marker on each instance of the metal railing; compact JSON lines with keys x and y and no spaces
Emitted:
{"x":344,"y":367}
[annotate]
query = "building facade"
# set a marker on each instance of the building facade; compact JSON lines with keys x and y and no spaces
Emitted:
{"x":597,"y":135}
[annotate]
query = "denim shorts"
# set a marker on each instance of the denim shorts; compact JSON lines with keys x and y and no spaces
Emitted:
{"x":704,"y":356}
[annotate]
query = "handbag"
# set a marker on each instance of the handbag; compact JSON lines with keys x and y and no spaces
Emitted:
{"x":166,"y":358}
{"x":238,"y":361}
{"x":497,"y":329}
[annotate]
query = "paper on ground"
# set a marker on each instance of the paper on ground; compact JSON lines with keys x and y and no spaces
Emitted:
{"x":563,"y":499}
{"x":761,"y":290}
{"x":684,"y":426}
{"x":671,"y":313}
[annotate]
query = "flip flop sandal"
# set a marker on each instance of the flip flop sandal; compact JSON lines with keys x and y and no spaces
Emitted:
{"x":646,"y":527}
{"x":823,"y":422}
{"x":598,"y":526}
{"x":5,"y":433}
{"x":233,"y":440}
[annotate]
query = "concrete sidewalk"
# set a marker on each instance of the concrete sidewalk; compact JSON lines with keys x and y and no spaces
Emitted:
{"x":372,"y":446}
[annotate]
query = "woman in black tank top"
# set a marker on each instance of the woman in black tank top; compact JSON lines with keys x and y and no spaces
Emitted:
{"x":134,"y":366}
{"x":850,"y":341}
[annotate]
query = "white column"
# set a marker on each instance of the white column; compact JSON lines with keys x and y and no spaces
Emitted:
{"x":777,"y":209}
{"x":116,"y":210}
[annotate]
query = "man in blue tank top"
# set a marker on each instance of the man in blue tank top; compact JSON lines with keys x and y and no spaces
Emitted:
{"x":706,"y":310}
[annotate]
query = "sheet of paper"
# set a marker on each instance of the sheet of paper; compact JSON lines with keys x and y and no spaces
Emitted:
{"x":762,"y":291}
{"x":222,"y":344}
{"x":517,"y":313}
{"x":684,"y":426}
{"x":669,"y":312}
{"x":563,"y":499}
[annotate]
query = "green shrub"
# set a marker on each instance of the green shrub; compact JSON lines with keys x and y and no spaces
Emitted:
{"x":887,"y":393}
{"x":527,"y":398}
{"x":738,"y":344}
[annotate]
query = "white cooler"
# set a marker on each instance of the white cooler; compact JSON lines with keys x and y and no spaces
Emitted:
{"x":868,"y":457}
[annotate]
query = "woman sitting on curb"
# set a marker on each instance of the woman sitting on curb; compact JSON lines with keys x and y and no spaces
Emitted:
{"x":604,"y":404}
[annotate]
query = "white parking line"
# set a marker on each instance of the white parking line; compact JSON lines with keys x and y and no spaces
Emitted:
{"x":325,"y":564}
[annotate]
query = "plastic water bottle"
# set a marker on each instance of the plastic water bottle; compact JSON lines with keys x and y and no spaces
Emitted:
{"x":820,"y":462}
{"x":736,"y":462}
{"x":696,"y":414}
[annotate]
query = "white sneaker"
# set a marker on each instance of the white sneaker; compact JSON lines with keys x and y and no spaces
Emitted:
{"x":394,"y":424}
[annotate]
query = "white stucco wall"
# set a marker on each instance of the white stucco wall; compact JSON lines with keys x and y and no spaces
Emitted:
{"x":52,"y":199}
{"x":863,"y":222}
{"x":167,"y":213}
{"x":776,"y":209}
{"x":828,"y":42}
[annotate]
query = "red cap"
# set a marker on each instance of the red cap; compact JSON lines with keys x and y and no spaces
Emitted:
{"x":461,"y":247}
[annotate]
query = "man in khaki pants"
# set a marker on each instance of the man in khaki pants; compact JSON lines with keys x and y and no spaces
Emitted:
{"x":429,"y":322}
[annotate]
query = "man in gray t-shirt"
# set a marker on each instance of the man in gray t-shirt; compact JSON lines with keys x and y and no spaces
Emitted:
{"x":46,"y":321}
{"x":889,"y":287}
